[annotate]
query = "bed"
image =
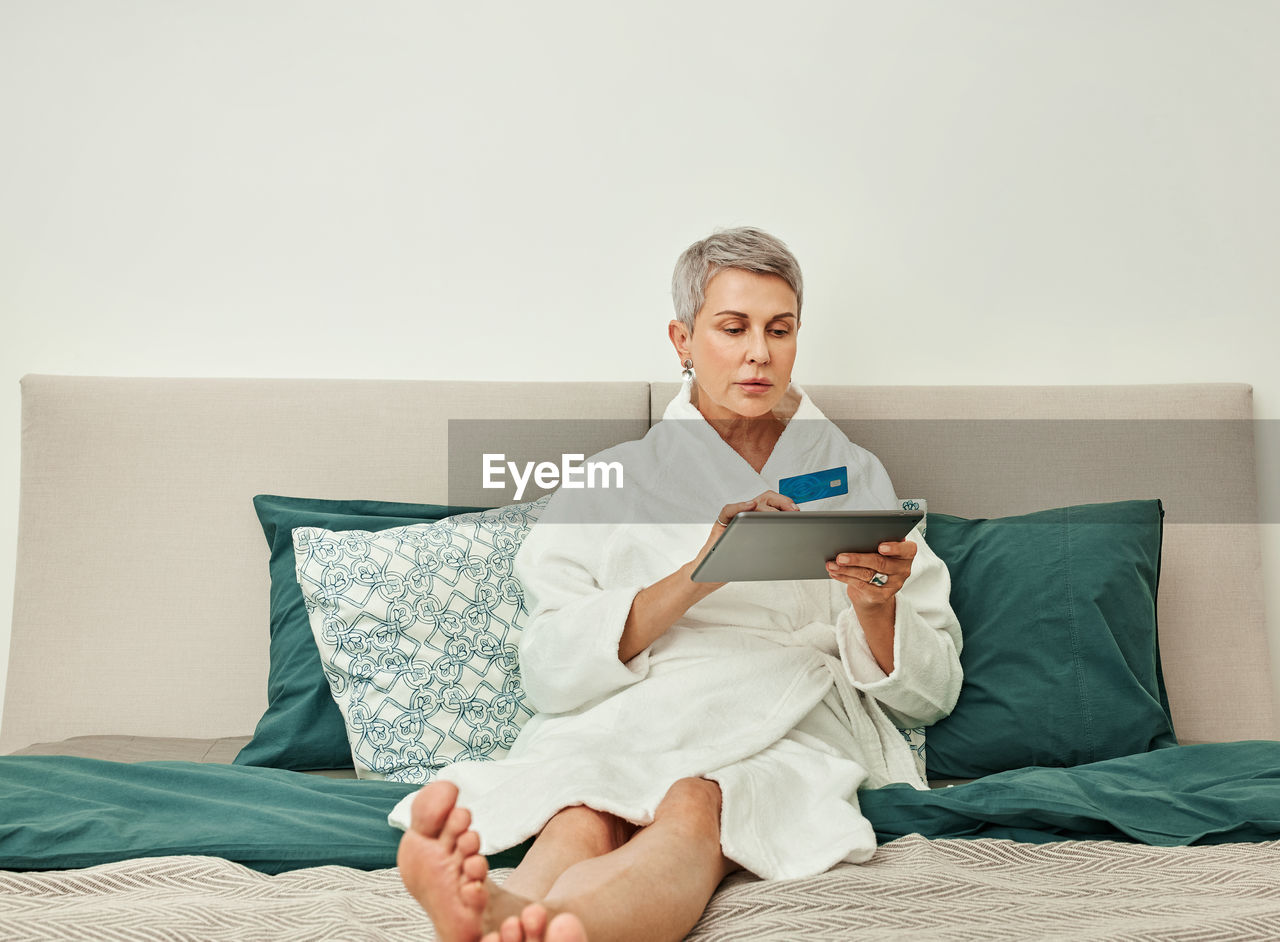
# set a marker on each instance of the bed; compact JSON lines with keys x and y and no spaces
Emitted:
{"x":163,"y":774}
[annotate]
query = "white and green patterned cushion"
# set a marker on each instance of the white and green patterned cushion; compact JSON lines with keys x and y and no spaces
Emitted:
{"x":418,"y":630}
{"x":914,"y":735}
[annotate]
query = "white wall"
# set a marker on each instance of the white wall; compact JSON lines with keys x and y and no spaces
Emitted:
{"x":1049,"y":192}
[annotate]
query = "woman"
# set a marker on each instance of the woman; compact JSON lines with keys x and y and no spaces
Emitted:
{"x":685,"y":729}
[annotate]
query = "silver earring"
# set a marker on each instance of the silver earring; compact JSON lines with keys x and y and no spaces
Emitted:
{"x":688,"y":369}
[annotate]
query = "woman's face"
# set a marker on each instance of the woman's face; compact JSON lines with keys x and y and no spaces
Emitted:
{"x":744,"y":331}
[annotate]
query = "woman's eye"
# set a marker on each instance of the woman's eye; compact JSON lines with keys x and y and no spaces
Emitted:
{"x":734,"y":331}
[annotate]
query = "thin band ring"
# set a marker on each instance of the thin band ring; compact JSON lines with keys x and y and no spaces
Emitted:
{"x":721,"y":522}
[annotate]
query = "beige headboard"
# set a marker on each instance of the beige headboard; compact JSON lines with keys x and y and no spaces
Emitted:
{"x":141,"y":593}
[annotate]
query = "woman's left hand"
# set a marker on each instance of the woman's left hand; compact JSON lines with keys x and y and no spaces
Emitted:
{"x":857,"y":570}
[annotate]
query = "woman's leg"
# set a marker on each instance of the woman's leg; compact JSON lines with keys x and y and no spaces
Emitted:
{"x":572,"y":835}
{"x":655,"y":886}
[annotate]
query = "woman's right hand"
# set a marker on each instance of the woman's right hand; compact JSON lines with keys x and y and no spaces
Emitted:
{"x":769,"y":500}
{"x":659,"y":606}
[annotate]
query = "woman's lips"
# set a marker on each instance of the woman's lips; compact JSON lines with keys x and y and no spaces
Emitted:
{"x":755,"y":387}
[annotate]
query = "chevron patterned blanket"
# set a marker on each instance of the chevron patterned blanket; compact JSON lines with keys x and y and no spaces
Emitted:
{"x":914,"y":888}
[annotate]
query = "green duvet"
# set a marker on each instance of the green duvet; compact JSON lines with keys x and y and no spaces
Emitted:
{"x":1216,"y":793}
{"x":60,"y":813}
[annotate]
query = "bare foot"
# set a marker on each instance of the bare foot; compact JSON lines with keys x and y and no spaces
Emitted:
{"x":441,"y":866}
{"x":532,"y":926}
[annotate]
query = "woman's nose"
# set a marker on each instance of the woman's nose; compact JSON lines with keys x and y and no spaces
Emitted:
{"x":759,"y":351}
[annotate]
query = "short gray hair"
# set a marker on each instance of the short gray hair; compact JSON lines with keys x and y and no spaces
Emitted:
{"x":746,"y":248}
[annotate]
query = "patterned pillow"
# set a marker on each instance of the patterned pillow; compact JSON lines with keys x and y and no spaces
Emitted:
{"x":418,"y":628}
{"x":302,"y":727}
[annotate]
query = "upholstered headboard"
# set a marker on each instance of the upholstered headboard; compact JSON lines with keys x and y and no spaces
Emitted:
{"x":141,"y":593}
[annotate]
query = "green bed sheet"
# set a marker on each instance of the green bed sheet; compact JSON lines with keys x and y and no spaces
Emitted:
{"x":59,"y":812}
{"x":1213,"y":793}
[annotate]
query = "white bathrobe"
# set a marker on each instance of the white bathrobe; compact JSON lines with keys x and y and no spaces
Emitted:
{"x":768,"y":688}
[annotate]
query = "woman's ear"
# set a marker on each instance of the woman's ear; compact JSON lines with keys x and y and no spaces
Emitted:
{"x":680,"y":338}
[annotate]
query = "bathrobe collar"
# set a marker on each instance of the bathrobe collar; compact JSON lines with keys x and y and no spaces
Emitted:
{"x":796,"y":438}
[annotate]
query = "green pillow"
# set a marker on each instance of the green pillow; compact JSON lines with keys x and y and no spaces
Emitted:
{"x":303,"y":728}
{"x":1061,"y":659}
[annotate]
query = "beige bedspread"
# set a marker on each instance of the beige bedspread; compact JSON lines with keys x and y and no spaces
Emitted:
{"x":913,"y":888}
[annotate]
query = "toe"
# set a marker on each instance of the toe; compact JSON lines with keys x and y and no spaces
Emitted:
{"x":433,"y":804}
{"x":533,"y":918}
{"x":475,"y":868}
{"x":566,"y":927}
{"x":511,"y":930}
{"x":469,"y":843}
{"x":458,"y":820}
{"x":474,"y":895}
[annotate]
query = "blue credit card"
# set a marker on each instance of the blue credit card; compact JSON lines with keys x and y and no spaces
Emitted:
{"x":815,"y":485}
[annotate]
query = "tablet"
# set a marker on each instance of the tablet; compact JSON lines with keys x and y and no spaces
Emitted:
{"x":764,"y":545}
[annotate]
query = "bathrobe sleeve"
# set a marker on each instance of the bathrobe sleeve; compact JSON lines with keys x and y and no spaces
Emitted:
{"x":925,"y":681}
{"x":872,"y":478}
{"x":569,"y":647}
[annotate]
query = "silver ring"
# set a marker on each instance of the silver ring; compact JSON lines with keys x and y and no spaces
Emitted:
{"x":878,"y":579}
{"x":721,"y":522}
